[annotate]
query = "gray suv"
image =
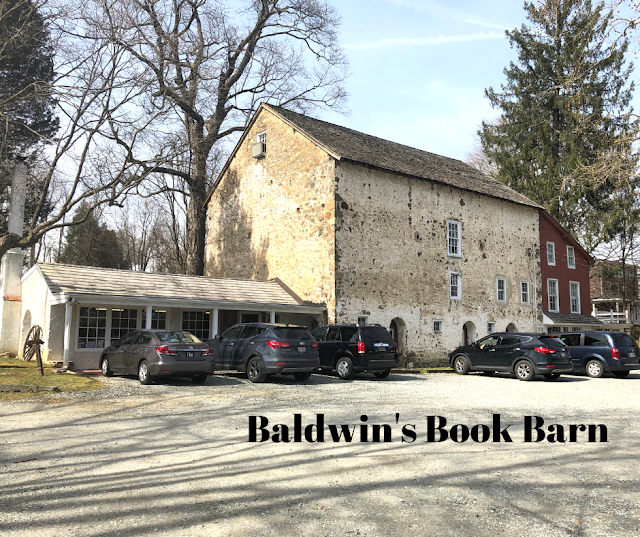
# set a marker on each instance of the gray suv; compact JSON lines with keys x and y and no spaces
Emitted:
{"x":262,"y":349}
{"x":597,"y":353}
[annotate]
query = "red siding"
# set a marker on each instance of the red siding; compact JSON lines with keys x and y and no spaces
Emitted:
{"x":552,"y":232}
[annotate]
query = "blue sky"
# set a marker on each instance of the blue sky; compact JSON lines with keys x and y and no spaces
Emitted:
{"x":419,"y":68}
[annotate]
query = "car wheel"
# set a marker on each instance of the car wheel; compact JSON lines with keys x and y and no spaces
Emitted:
{"x":302,"y":376}
{"x":199,"y":379}
{"x":595,"y":369}
{"x":552,"y":376}
{"x":344,"y":367}
{"x":488,"y":373}
{"x":143,"y":373}
{"x":524,"y":370}
{"x":106,"y":369}
{"x":461,"y":365}
{"x":255,"y":370}
{"x":620,"y":374}
{"x":382,"y":374}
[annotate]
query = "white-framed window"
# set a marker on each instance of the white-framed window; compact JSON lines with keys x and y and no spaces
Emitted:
{"x":363,"y":319}
{"x":524,"y":292}
{"x":123,"y":321}
{"x":571,"y":257}
{"x":454,"y":238}
{"x":551,"y":253}
{"x":197,"y":323}
{"x":437,"y":327}
{"x":158,"y":319}
{"x":92,"y":328}
{"x":501,"y":289}
{"x":491,"y":327}
{"x":574,"y":291}
{"x":262,"y":137}
{"x":455,"y":285}
{"x":552,"y":293}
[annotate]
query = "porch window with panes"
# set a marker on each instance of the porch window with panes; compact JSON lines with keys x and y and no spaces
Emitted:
{"x":123,"y":321}
{"x":158,"y":319}
{"x":92,"y":328}
{"x":197,"y":323}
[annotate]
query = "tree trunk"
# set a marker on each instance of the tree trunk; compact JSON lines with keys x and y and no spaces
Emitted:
{"x":197,"y":215}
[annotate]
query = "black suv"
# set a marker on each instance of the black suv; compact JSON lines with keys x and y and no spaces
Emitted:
{"x":598,"y":352}
{"x":350,"y":348}
{"x":524,"y":355}
{"x":262,"y":349}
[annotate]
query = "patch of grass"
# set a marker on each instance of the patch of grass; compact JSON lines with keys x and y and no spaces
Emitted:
{"x":15,"y":371}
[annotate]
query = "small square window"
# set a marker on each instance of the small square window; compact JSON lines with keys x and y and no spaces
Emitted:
{"x":363,"y":319}
{"x":262,"y":137}
{"x":437,"y":327}
{"x":491,"y":327}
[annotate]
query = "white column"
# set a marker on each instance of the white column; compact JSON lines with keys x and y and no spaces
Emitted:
{"x":68,"y":310}
{"x":214,"y":326}
{"x":273,"y":316}
{"x":148,"y":321}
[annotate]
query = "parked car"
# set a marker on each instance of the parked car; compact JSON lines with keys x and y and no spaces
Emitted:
{"x":350,"y":348}
{"x":263,"y":349}
{"x":598,"y":352}
{"x":524,"y":355}
{"x":158,"y":353}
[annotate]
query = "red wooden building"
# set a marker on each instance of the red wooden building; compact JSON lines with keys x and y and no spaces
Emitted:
{"x":565,"y":279}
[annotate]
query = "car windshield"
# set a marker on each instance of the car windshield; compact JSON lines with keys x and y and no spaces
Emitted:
{"x":376,"y":334}
{"x":177,"y":337}
{"x":291,"y":333}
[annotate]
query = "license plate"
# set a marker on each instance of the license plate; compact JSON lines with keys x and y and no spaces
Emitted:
{"x":190,"y":355}
{"x":380,"y":344}
{"x":302,"y":349}
{"x":632,"y":355}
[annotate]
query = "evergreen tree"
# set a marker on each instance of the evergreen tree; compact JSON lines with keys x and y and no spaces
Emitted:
{"x":93,"y":244}
{"x":565,"y":135}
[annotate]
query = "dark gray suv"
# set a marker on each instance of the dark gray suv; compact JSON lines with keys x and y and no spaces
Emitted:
{"x":262,"y":349}
{"x":596,"y":353}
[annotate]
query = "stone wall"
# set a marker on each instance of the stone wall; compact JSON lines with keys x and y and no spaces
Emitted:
{"x":274,"y":216}
{"x":392,"y":262}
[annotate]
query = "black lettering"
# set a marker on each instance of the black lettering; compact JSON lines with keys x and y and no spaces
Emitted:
{"x":573,"y":431}
{"x":319,"y":425}
{"x":500,"y":433}
{"x":280,"y":433}
{"x":409,"y":433}
{"x":558,"y":436}
{"x":363,"y":429}
{"x":431,"y":429}
{"x":475,"y":433}
{"x":592,"y":432}
{"x":253,"y":429}
{"x":528,"y":429}
{"x":387,"y":432}
{"x":459,"y":433}
{"x":297,"y":427}
{"x":344,"y":431}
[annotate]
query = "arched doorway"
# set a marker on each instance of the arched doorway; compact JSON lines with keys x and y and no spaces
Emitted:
{"x":398,"y":330}
{"x":512,"y":327}
{"x":468,"y":333}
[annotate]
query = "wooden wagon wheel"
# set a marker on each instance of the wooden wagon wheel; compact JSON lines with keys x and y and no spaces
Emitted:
{"x":32,"y":346}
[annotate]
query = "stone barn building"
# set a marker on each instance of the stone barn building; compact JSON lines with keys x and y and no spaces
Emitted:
{"x":379,"y":232}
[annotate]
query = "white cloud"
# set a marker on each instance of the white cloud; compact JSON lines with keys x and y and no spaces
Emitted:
{"x":425,"y":41}
{"x":445,"y":12}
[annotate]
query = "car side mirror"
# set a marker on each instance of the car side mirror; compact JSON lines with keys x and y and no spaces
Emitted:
{"x":218,"y":337}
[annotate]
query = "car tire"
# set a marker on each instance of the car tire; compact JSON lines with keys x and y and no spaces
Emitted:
{"x":143,"y":373}
{"x":461,"y":365}
{"x":106,"y":368}
{"x":383,"y":374}
{"x":524,"y":370}
{"x":552,"y":376}
{"x":255,"y":370}
{"x":344,"y":367}
{"x":199,"y":379}
{"x":595,"y":369}
{"x":620,"y":374}
{"x":488,"y":373}
{"x":302,"y":376}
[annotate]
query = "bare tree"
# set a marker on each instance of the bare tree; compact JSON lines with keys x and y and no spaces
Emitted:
{"x":200,"y":68}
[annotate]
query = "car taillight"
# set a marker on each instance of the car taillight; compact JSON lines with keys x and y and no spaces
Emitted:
{"x":615,"y":353}
{"x":165,"y":350}
{"x":315,"y":345}
{"x":277,"y":344}
{"x":545,"y":350}
{"x":207,"y":352}
{"x":360,"y":347}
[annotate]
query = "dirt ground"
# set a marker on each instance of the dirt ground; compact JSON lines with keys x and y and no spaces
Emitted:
{"x":174,"y":459}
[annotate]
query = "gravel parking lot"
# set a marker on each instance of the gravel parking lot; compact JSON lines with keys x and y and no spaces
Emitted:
{"x":174,"y":459}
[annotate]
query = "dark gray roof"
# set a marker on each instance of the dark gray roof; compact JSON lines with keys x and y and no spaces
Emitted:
{"x":372,"y":151}
{"x":572,"y":318}
{"x":78,"y":280}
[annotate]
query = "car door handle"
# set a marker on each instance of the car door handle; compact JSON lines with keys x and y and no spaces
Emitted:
{"x":230,"y":344}
{"x":492,"y":350}
{"x":252,"y":343}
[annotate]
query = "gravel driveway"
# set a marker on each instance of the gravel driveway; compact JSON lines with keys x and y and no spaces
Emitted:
{"x":173,"y":459}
